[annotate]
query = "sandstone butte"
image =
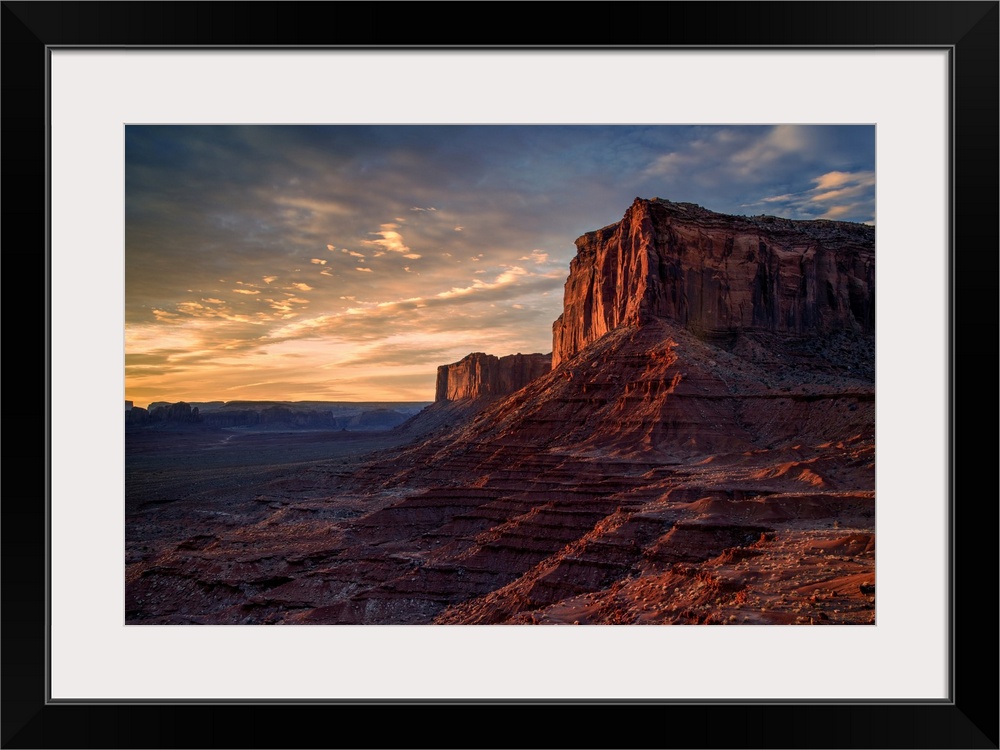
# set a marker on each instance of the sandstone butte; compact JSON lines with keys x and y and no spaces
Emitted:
{"x":717,"y":275}
{"x":702,"y":450}
{"x":479,"y":375}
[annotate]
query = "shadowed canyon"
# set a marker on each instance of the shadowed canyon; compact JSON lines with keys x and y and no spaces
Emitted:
{"x":698,"y":448}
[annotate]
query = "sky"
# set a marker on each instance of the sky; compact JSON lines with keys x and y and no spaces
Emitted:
{"x":345,"y":263}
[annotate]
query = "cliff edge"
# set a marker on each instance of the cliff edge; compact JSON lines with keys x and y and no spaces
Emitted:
{"x":479,"y":375}
{"x":717,"y":275}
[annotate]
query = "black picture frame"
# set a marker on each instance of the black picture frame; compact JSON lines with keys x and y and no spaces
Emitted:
{"x":969,"y":719}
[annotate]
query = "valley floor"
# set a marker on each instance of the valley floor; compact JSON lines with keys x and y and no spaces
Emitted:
{"x":288,"y":528}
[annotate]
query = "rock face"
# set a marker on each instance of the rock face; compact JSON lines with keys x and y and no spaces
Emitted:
{"x":479,"y":375}
{"x":717,"y":275}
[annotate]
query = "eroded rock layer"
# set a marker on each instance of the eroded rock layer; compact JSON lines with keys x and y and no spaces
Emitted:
{"x":717,"y":275}
{"x":656,"y":478}
{"x":481,"y":375}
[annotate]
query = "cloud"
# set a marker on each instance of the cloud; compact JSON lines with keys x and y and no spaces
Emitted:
{"x":835,"y":212}
{"x":309,"y":206}
{"x":374,"y":320}
{"x":726,"y":168}
{"x":537,"y":256}
{"x":302,"y":287}
{"x":280,"y":306}
{"x":389,"y":239}
{"x":834,"y":195}
{"x":204,"y":203}
{"x":779,"y":142}
{"x":836,"y":179}
{"x":738,"y":153}
{"x":431,"y":350}
{"x":187,"y":311}
{"x":840,"y":185}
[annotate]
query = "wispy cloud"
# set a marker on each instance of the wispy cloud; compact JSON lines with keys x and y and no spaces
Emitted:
{"x":736,"y":152}
{"x":440,"y":237}
{"x":391,"y":240}
{"x":512,"y":283}
{"x":752,"y":161}
{"x":834,"y":195}
{"x":537,"y":256}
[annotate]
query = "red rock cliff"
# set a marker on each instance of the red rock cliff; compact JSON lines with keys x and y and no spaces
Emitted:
{"x":717,"y":274}
{"x":486,"y":375}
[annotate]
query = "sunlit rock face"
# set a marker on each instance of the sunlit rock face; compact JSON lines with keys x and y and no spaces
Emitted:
{"x":717,"y":275}
{"x":479,"y":375}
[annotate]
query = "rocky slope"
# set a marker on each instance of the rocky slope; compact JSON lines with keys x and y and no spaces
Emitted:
{"x":654,"y":479}
{"x":484,"y":375}
{"x":717,"y":275}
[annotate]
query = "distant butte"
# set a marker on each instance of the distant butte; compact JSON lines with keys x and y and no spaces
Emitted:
{"x":479,"y":375}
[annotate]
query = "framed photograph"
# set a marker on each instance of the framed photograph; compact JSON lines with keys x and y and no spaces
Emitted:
{"x":875,"y":120}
